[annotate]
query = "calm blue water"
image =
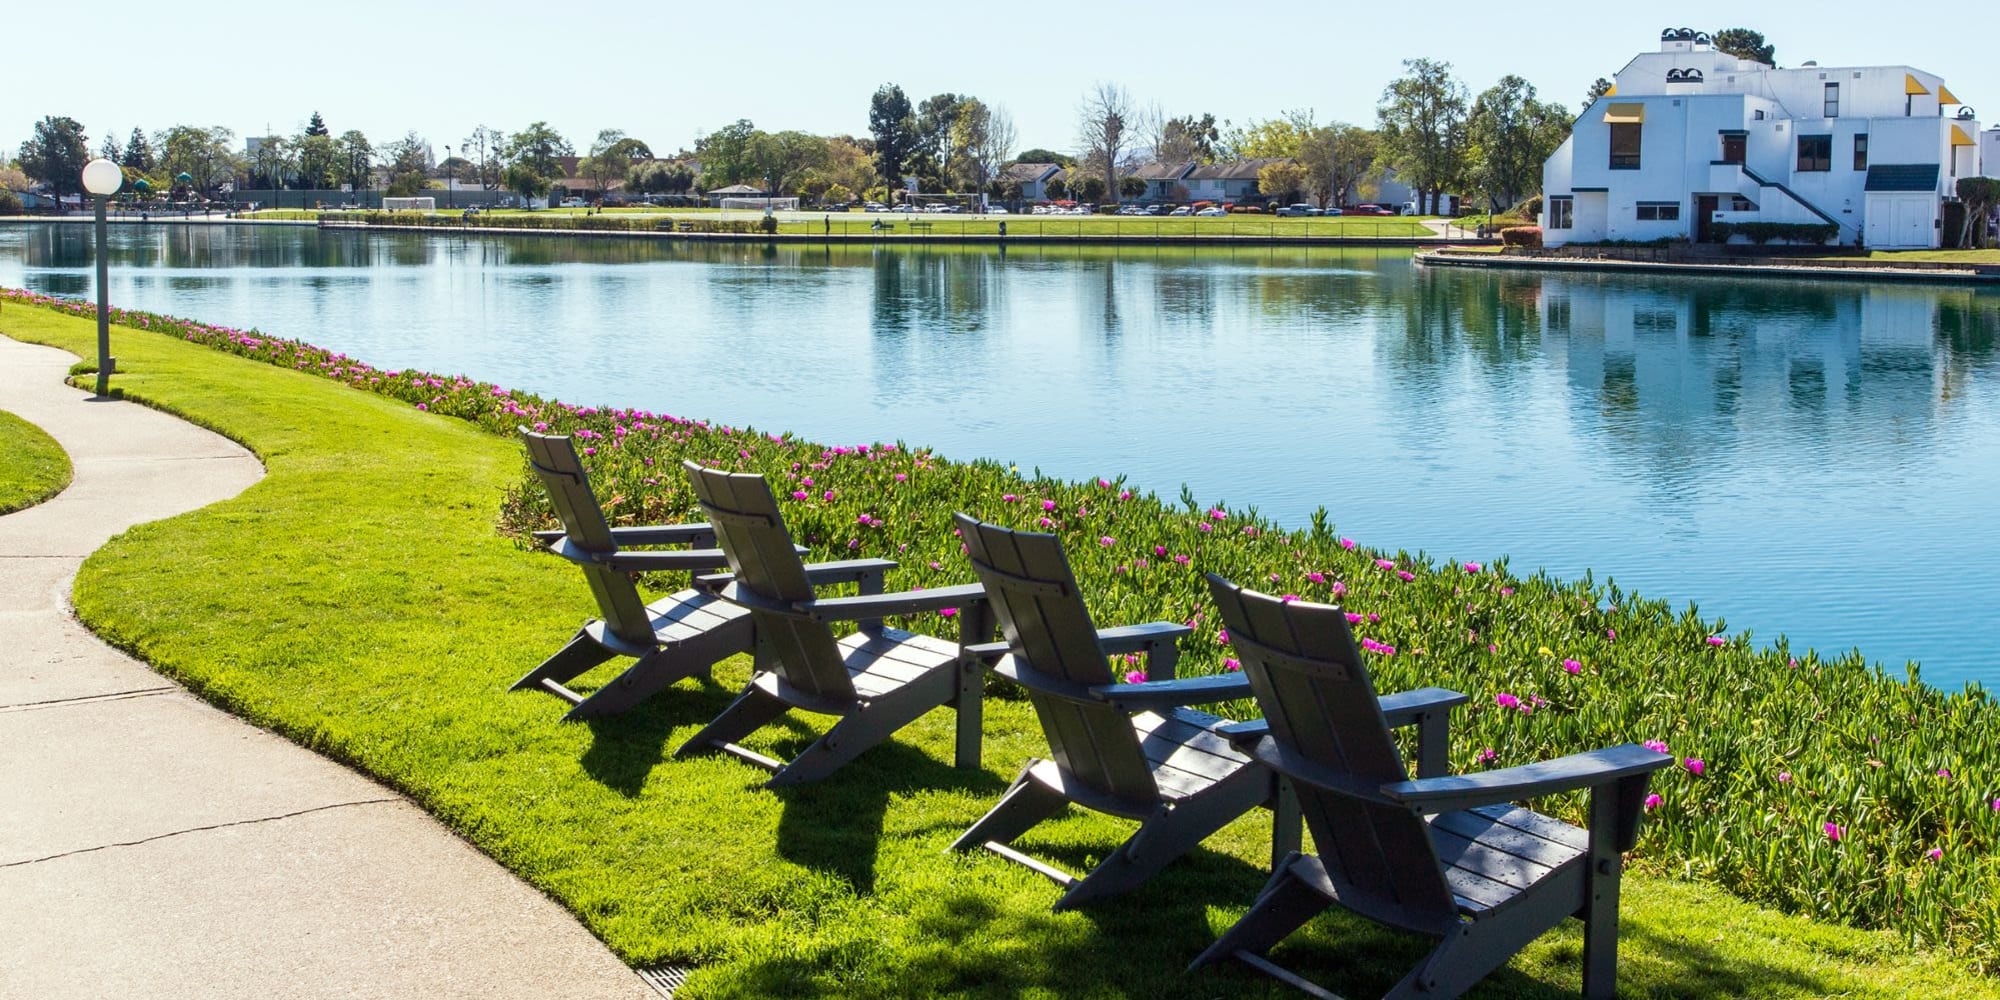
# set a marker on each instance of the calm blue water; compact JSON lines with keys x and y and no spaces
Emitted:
{"x":1813,"y":459}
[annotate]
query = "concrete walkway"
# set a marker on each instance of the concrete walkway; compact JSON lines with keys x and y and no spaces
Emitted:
{"x":153,"y":846}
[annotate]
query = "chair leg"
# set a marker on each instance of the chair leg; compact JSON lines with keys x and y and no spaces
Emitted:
{"x":1167,"y":834}
{"x":752,"y":710}
{"x":657,"y":671}
{"x":849,"y":738}
{"x":1285,"y":904}
{"x":1026,"y":804}
{"x":578,"y":655}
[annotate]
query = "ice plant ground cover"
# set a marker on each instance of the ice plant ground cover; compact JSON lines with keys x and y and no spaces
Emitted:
{"x":33,"y":467}
{"x":360,"y":601}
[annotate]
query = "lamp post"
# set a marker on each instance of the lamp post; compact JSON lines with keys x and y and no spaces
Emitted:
{"x":102,"y":179}
{"x":447,"y":179}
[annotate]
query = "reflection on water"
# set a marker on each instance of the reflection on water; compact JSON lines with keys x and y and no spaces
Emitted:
{"x":1806,"y":458}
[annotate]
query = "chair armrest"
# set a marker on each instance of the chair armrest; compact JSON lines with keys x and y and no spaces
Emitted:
{"x":1173,"y":694}
{"x":648,"y":562}
{"x":866,"y":606}
{"x":988,"y":653}
{"x":1041,"y":683}
{"x":1406,"y":708}
{"x":1139,"y":638}
{"x":846,"y":570}
{"x":1527,"y":781}
{"x":698,"y":535}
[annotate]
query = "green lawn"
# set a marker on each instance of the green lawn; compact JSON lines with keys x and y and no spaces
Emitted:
{"x":1939,"y":256}
{"x":359,"y":601}
{"x":35,"y":466}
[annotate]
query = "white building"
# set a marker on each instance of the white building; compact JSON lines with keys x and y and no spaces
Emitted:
{"x":1689,"y":136}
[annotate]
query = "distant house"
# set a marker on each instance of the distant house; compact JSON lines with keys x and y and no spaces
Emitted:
{"x":732,"y":191}
{"x":1033,"y":177}
{"x":1233,"y":181}
{"x":1166,"y":181}
{"x":1691,"y":136}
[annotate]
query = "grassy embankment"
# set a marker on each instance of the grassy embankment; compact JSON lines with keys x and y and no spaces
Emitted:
{"x":1938,"y":256}
{"x":359,"y":600}
{"x":34,"y":467}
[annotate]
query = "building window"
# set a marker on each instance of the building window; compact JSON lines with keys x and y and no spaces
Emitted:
{"x":1659,"y":211}
{"x":1738,"y":203}
{"x":1562,"y":212}
{"x":1861,"y":152}
{"x":1815,"y":153}
{"x":1833,"y":100}
{"x":1625,"y":146}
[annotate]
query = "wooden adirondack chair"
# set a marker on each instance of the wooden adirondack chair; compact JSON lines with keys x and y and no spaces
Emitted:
{"x":679,"y":636}
{"x":877,"y":680}
{"x":1131,"y":750}
{"x":1445,"y":856}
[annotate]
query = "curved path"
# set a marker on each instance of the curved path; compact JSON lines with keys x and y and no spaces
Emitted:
{"x":151,"y":845}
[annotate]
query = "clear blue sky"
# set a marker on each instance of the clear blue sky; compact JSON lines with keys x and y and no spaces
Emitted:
{"x":664,"y":72}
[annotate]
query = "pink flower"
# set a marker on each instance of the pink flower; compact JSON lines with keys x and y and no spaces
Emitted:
{"x":1182,"y":559}
{"x":947,"y":612}
{"x":1611,"y":633}
{"x":1107,"y":541}
{"x":1944,"y":772}
{"x":828,"y":495}
{"x":900,"y":477}
{"x":1506,"y":591}
{"x":1657,"y":746}
{"x":1232,"y":664}
{"x":1834,"y":831}
{"x":1135,"y":677}
{"x":1048,"y":505}
{"x":806,"y":481}
{"x":1008,"y":498}
{"x":1347,"y":543}
{"x":1653,"y":801}
{"x":1159,"y":550}
{"x":1505,"y":700}
{"x":1385,"y":564}
{"x":800,"y":494}
{"x":1288,"y":598}
{"x":1043,"y":522}
{"x":1716,"y":640}
{"x":1784,"y":777}
{"x":421,"y":406}
{"x":1473,"y":567}
{"x":541,"y":426}
{"x":1374,"y":618}
{"x":1339,"y":589}
{"x":1104,"y":484}
{"x":1378,"y":648}
{"x":1405,"y":575}
{"x":1217,"y":514}
{"x":1316,"y":577}
{"x":1573,"y":667}
{"x":1935,"y":854}
{"x":1222,"y":637}
{"x":1694,"y":766}
{"x":1486,"y":756}
{"x":1124,"y":494}
{"x":1205,"y":526}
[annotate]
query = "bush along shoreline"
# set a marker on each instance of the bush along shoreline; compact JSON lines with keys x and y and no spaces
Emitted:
{"x":1817,"y":784}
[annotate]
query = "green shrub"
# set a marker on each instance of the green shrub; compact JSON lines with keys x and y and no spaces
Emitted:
{"x":1522,"y":236}
{"x":1764,"y":233}
{"x":10,"y":203}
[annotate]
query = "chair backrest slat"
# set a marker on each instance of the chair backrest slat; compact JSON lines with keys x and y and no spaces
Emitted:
{"x":1048,"y":630}
{"x":752,"y":534}
{"x":1316,"y":693}
{"x":556,"y":464}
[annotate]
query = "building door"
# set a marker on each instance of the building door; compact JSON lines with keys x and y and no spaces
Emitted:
{"x":1704,"y":216}
{"x":1732,"y":148}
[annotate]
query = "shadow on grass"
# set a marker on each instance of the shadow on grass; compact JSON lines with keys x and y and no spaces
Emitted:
{"x":836,"y":825}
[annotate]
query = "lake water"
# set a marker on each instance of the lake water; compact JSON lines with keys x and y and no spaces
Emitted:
{"x":1818,"y":460}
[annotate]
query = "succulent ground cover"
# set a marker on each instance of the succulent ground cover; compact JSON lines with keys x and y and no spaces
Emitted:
{"x":33,"y":467}
{"x":361,"y":601}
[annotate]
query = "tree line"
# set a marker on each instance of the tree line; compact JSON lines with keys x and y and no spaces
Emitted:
{"x":1429,"y":129}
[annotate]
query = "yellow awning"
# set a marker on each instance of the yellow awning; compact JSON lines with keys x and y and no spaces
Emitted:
{"x":1959,"y":138}
{"x":1625,"y":114}
{"x":1912,"y":87}
{"x":1945,"y":96}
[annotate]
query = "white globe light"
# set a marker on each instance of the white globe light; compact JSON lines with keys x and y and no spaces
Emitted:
{"x":102,"y":177}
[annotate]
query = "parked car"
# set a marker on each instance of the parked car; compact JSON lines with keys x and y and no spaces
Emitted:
{"x":1128,"y":210}
{"x":572,"y":203}
{"x":1212,"y":211}
{"x":1330,"y":212}
{"x":997,"y":210}
{"x":1369,"y":210}
{"x":1297,"y":209}
{"x":874,"y":206}
{"x":1153,"y":210}
{"x":1182,"y":210}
